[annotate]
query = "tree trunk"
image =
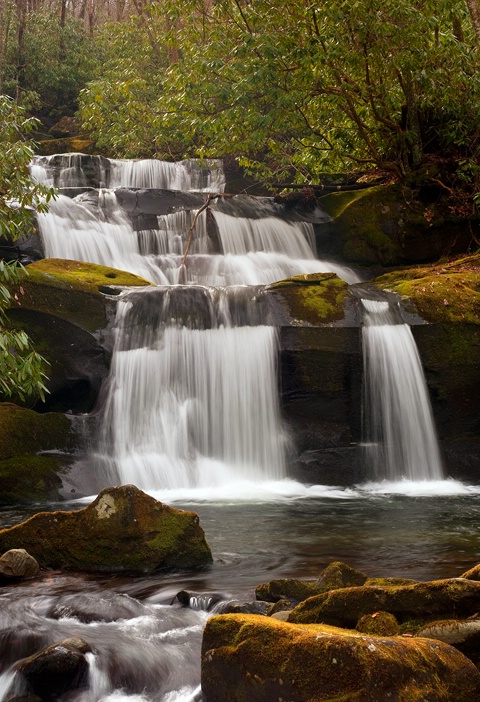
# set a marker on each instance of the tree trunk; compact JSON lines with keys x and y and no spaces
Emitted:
{"x":474,"y":9}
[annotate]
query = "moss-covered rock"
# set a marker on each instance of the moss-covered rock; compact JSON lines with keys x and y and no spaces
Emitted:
{"x":421,"y":601}
{"x":124,"y":529}
{"x":246,"y":658}
{"x":472,"y":573}
{"x":448,"y":292}
{"x":378,"y":624}
{"x":316,"y":298}
{"x":389,"y":225}
{"x":338,"y":575}
{"x":26,"y":476}
{"x":72,"y":290}
{"x":286,"y":589}
{"x":23,"y":431}
{"x":335,"y":575}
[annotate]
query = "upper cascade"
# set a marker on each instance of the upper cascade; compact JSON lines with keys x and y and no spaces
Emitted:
{"x":84,"y":171}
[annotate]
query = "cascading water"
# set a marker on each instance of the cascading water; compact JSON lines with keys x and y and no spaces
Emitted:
{"x":192,"y":399}
{"x":400,"y":434}
{"x":78,"y":170}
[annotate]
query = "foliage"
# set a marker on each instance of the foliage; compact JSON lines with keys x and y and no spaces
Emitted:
{"x":296,"y":89}
{"x":52,"y":60}
{"x":21,"y":369}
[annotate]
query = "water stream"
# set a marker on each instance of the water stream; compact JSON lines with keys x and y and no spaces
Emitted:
{"x":191,"y":414}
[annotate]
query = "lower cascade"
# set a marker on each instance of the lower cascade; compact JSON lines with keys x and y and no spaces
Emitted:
{"x":400,"y":437}
{"x":192,"y":402}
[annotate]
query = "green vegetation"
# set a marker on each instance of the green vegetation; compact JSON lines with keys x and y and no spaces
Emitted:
{"x":293,"y":91}
{"x":22,"y":370}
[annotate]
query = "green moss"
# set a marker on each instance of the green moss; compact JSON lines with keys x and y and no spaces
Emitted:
{"x":88,"y":277}
{"x":379,"y":624}
{"x":389,"y":582}
{"x":441,"y":293}
{"x":359,"y":216}
{"x":72,"y":290}
{"x":316,"y":298}
{"x":27,"y":478}
{"x":24,"y":431}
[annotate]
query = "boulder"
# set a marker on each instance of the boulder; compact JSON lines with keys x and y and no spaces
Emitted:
{"x":390,"y":225}
{"x":17,"y":563}
{"x":123,"y":529}
{"x":421,"y":601}
{"x":335,"y":575}
{"x":379,"y":624}
{"x":463,"y":634}
{"x":247,"y":657}
{"x":56,"y":669}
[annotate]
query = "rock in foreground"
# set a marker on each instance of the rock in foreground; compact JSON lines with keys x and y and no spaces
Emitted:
{"x":124,"y":529}
{"x":247,"y":657}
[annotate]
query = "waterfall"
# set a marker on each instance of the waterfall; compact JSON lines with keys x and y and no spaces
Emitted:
{"x":192,"y":399}
{"x":400,"y":437}
{"x":75,"y":170}
{"x":93,"y":227}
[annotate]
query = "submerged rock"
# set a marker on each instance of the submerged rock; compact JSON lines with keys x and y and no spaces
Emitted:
{"x":56,"y":668}
{"x":247,"y":657}
{"x":124,"y":529}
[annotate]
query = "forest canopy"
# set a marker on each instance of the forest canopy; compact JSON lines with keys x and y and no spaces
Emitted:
{"x":290,"y":90}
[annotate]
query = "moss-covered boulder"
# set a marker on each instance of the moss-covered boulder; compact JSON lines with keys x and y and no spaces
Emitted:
{"x":311,"y":299}
{"x":289,"y":589}
{"x":418,"y":602}
{"x":26,"y":476}
{"x":441,"y":293}
{"x":124,"y":529}
{"x":335,"y":575}
{"x":246,"y":658}
{"x":389,"y":225}
{"x":378,"y":624}
{"x":72,"y":290}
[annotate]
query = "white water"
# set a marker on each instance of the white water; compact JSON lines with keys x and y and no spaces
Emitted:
{"x":80,"y":170}
{"x":400,"y":437}
{"x":191,"y":407}
{"x":254,"y":251}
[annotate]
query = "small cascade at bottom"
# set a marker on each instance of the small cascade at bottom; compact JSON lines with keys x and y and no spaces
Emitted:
{"x":192,"y":400}
{"x":400,"y":437}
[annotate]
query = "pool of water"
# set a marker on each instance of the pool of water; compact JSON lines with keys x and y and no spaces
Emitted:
{"x":154,"y":653}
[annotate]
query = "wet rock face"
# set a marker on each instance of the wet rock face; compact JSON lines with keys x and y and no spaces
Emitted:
{"x":124,"y":529}
{"x":56,"y":669}
{"x":247,"y":657}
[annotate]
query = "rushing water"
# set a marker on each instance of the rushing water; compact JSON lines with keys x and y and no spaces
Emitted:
{"x":401,"y":441}
{"x":191,"y":414}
